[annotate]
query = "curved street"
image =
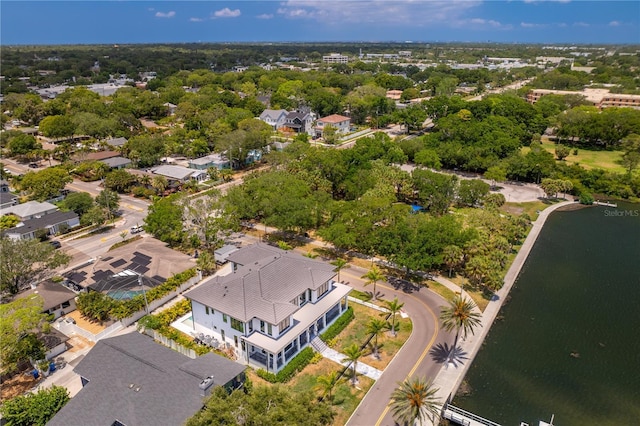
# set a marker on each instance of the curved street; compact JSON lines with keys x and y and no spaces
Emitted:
{"x":417,"y":355}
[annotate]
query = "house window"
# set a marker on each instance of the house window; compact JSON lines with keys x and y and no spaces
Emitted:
{"x":224,"y":317}
{"x":284,"y":324}
{"x":250,"y":326}
{"x":237,"y":325}
{"x":323,"y":289}
{"x":235,"y":340}
{"x":269,"y":330}
{"x":206,"y":309}
{"x":303,"y":298}
{"x":262,"y":326}
{"x":65,"y":304}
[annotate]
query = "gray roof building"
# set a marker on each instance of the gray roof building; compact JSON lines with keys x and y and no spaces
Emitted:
{"x":177,"y":172}
{"x":50,"y":222}
{"x":117,"y":162}
{"x":264,"y":283}
{"x":53,"y":294}
{"x":131,"y":380}
{"x":29,"y":209}
{"x":116,"y":142}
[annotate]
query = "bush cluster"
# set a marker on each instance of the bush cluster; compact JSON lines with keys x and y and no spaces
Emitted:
{"x":162,"y":324}
{"x":100,"y":307}
{"x":338,"y":326}
{"x":298,"y":362}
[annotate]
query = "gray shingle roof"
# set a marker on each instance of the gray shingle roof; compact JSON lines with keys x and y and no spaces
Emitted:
{"x":116,"y":161}
{"x":136,"y":381}
{"x":116,"y":141}
{"x":264,"y":286}
{"x":29,"y":208}
{"x":173,"y":172}
{"x":43,"y":222}
{"x":52,"y":293}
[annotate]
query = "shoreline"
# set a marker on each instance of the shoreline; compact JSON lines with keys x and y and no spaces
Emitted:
{"x":450,"y":377}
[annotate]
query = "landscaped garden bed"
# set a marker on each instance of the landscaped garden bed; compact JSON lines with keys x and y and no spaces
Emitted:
{"x":356,"y":332}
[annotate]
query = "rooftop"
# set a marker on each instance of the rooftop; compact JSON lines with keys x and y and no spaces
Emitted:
{"x":136,"y":381}
{"x":52,"y":293}
{"x":334,"y":118}
{"x":264,"y":286}
{"x":29,"y":208}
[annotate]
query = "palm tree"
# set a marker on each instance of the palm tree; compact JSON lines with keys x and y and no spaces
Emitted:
{"x":415,"y":400}
{"x":326,"y":383}
{"x":460,"y":315}
{"x":353,"y":354}
{"x":373,"y":276}
{"x":452,"y":256}
{"x":339,"y":264}
{"x":159,"y":183}
{"x":394,"y":307}
{"x":376,"y":327}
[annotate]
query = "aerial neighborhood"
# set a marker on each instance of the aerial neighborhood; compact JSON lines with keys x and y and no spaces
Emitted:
{"x":296,"y":233}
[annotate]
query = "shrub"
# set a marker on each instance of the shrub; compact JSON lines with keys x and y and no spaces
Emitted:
{"x":34,"y":408}
{"x":126,"y":308}
{"x":338,"y":326}
{"x":586,"y":198}
{"x":294,"y":366}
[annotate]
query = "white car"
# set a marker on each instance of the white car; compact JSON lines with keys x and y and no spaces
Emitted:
{"x":135,"y":229}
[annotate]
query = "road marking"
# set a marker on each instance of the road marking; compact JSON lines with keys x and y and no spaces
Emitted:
{"x":424,"y":353}
{"x":138,"y":209}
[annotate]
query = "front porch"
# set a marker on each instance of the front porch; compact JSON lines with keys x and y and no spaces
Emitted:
{"x":261,"y":351}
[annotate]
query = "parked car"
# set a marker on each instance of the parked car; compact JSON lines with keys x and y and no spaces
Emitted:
{"x":34,"y":165}
{"x":55,"y":244}
{"x":136,"y":228}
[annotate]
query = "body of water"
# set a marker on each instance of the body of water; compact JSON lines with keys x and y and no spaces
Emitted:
{"x":567,"y":342}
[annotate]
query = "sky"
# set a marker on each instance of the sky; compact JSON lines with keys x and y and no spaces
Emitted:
{"x":506,"y":21}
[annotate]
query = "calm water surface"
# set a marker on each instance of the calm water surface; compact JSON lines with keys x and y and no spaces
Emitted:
{"x":568,"y":342}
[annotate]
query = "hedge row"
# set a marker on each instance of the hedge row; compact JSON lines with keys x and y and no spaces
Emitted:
{"x":298,"y":362}
{"x":162,"y":324}
{"x":126,"y":308}
{"x":338,"y":326}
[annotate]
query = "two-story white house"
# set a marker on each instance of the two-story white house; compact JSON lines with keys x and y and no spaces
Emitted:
{"x":341,"y":123}
{"x":270,"y":307}
{"x":274,"y":117}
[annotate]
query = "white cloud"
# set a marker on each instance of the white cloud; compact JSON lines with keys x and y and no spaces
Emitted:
{"x":580,"y":24}
{"x":196,"y":19}
{"x":615,"y":23}
{"x":532,"y":25}
{"x":226,"y":13}
{"x":265,"y":16}
{"x":380,"y":12}
{"x":169,"y":14}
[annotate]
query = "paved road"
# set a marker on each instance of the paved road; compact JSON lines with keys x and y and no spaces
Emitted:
{"x":415,"y":358}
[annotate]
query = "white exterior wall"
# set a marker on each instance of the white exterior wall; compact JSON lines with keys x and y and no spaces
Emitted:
{"x":214,"y":325}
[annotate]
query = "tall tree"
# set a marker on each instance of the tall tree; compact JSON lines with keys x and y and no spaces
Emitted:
{"x":353,"y":354}
{"x":339,"y":264}
{"x":394,"y":307}
{"x":46,"y":183}
{"x":326,"y":383}
{"x":376,"y":327}
{"x":18,"y":321}
{"x":164,"y":220}
{"x":452,"y":256}
{"x":27,"y":261}
{"x":460,"y":315}
{"x":414,"y":401}
{"x":373,"y":276}
{"x":263,"y":405}
{"x":34,"y":409}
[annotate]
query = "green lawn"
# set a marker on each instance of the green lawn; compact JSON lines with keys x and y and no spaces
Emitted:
{"x":345,"y":397}
{"x":530,"y":207}
{"x":589,"y":159}
{"x":356,"y":332}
